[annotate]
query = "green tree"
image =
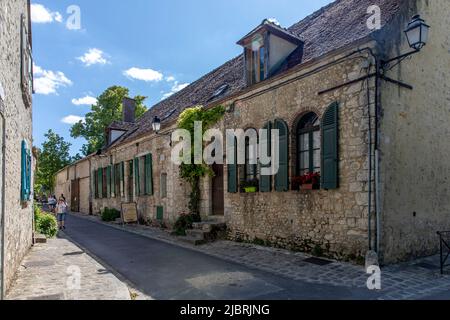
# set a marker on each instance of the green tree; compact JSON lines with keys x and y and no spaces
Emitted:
{"x":107,"y":109}
{"x":53,"y":157}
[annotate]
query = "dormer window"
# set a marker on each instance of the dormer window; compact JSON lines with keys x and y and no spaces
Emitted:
{"x":267,"y":50}
{"x":256,"y":59}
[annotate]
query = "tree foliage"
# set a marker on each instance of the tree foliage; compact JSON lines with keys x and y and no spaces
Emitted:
{"x":192,"y":173}
{"x":53,"y":157}
{"x":107,"y":109}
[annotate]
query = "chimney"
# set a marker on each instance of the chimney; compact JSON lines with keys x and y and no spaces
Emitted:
{"x":129,"y":110}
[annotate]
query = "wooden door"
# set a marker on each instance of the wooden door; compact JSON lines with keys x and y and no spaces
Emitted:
{"x":75,"y":196}
{"x":217,"y":190}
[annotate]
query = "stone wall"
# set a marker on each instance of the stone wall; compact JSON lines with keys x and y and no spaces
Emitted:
{"x":18,"y":218}
{"x":64,"y":178}
{"x":331,"y":222}
{"x":176,"y":201}
{"x":414,"y":141}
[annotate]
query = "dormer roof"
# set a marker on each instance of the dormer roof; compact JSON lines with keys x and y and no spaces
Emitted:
{"x":274,"y":28}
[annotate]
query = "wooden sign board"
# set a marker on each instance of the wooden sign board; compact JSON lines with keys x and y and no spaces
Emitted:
{"x":129,"y":213}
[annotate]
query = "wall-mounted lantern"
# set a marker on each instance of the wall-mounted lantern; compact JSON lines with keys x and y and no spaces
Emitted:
{"x":417,"y":33}
{"x":156,"y":124}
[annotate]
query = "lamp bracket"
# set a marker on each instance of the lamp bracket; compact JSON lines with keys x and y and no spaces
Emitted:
{"x":386,"y":63}
{"x":399,"y":83}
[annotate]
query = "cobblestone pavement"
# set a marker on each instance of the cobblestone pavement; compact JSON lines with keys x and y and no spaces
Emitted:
{"x":50,"y":272}
{"x":417,"y":279}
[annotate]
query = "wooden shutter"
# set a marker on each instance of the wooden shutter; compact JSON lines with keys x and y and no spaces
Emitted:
{"x":23,"y":173}
{"x":29,"y":186}
{"x":113,"y":180}
{"x":330,"y":165}
{"x":108,"y":181}
{"x":137,"y":185}
{"x":265,"y":182}
{"x":232,"y":172}
{"x":95,"y":184}
{"x":149,"y":174}
{"x":100,"y":183}
{"x":282,"y":177}
{"x":122,"y":179}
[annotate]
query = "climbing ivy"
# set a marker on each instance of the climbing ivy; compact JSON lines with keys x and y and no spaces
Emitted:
{"x":192,"y":173}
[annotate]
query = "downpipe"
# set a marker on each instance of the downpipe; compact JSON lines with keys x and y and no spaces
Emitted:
{"x":3,"y":202}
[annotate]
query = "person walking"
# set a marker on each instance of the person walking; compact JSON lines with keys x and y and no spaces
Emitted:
{"x":52,"y":203}
{"x":61,"y":210}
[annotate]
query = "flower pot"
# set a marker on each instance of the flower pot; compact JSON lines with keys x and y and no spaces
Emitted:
{"x":250,"y":189}
{"x":309,"y":186}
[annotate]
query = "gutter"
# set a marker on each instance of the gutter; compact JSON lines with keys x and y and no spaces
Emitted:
{"x":2,"y":218}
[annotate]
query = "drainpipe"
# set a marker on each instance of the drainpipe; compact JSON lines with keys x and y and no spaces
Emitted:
{"x":374,"y":153}
{"x":369,"y":201}
{"x":377,"y":157}
{"x":3,"y":202}
{"x":377,"y":199}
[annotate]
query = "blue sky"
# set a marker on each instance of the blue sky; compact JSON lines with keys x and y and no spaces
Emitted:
{"x":154,"y":48}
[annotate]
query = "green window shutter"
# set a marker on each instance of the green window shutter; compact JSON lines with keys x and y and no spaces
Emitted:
{"x":94,"y":184}
{"x":30,"y":187}
{"x":330,"y":165}
{"x":137,"y":185}
{"x":149,"y":174}
{"x":265,"y":182}
{"x":232,"y":173}
{"x":159,"y":213}
{"x":23,"y":169}
{"x":108,"y":181}
{"x":122,"y":178}
{"x":282,"y":177}
{"x":113,"y":181}
{"x":100,"y":183}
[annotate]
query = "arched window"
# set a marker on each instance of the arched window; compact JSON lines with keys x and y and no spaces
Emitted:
{"x":308,"y":144}
{"x":251,"y":167}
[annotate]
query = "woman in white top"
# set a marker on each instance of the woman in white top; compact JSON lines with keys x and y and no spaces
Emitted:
{"x":61,"y":210}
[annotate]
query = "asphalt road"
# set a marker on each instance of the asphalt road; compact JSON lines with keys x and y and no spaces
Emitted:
{"x":169,"y":272}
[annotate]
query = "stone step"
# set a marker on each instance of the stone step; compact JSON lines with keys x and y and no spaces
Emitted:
{"x":40,"y":238}
{"x":196,"y":233}
{"x":209,"y":226}
{"x":193,"y":241}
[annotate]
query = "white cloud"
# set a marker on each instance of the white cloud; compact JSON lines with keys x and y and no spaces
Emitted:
{"x":175,"y":88}
{"x":85,"y":101}
{"x":40,"y":14}
{"x":148,"y":75}
{"x":71,"y":119}
{"x":93,"y":56}
{"x":170,"y":79}
{"x":47,"y":82}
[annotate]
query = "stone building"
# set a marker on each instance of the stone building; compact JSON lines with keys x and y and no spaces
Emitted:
{"x":74,"y":182}
{"x":16,"y":223}
{"x":371,"y":127}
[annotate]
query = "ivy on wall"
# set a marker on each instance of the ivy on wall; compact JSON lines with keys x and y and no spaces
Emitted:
{"x":192,"y":173}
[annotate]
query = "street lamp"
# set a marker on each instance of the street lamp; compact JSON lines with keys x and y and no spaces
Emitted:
{"x":156,"y":124}
{"x":417,"y":33}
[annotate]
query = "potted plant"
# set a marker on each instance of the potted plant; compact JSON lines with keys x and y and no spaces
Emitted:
{"x":308,"y":181}
{"x":250,"y":186}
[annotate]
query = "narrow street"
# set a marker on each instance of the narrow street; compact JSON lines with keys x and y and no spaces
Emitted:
{"x":165,"y":271}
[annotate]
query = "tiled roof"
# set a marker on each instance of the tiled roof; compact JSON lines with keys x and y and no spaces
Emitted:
{"x":121,"y":125}
{"x":332,"y":27}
